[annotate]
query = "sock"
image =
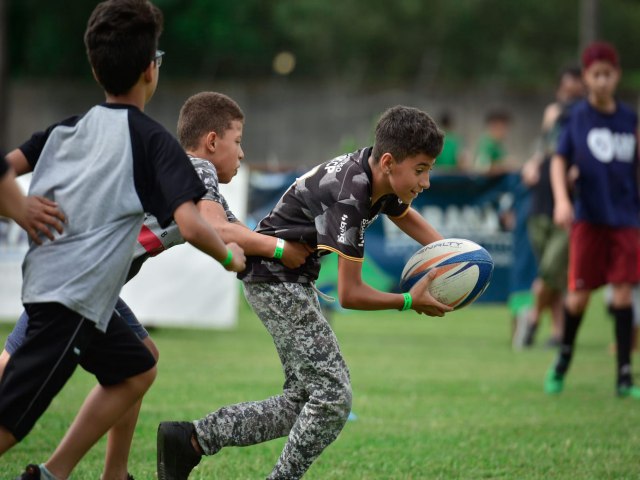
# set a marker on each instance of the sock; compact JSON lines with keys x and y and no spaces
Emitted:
{"x":569,"y":333}
{"x":624,"y":330}
{"x":45,"y":474}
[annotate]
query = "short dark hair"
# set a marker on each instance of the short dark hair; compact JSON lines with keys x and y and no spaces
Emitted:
{"x":206,"y":112}
{"x":572,"y":71}
{"x":405,"y":132}
{"x":497,"y":115}
{"x":121,"y":40}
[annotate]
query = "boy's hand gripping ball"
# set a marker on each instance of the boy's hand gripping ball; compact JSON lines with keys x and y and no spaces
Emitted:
{"x":464,"y":270}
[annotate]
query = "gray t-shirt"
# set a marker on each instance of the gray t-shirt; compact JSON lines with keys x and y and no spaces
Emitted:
{"x":105,"y":169}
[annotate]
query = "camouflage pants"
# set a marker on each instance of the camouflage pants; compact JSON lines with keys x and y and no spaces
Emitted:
{"x":316,"y":397}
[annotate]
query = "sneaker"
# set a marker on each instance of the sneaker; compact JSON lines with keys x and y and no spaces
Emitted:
{"x":32,"y":472}
{"x":628,"y":391}
{"x":553,"y":382}
{"x":176,"y":456}
{"x":521,"y":322}
{"x":130,"y":477}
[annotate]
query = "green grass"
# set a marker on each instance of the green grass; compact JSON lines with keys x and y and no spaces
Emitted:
{"x":436,"y":398}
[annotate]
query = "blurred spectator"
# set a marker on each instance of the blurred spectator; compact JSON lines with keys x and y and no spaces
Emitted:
{"x":550,"y":242}
{"x":600,"y":138}
{"x":453,"y":155}
{"x":491,"y":155}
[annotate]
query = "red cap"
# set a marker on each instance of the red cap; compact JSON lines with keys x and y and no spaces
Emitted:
{"x":600,"y":52}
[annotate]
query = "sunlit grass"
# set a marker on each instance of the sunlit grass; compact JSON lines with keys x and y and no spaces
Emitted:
{"x":434,"y":398}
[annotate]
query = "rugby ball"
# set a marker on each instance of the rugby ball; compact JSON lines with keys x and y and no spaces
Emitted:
{"x":464,"y":270}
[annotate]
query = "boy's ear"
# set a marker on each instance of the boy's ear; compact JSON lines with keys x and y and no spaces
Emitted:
{"x":386,"y":162}
{"x":210,"y":141}
{"x":149,"y":72}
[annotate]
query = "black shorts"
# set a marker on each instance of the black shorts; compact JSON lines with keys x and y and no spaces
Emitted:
{"x":57,"y":340}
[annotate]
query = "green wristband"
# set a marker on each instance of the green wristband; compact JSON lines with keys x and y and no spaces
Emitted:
{"x":227,"y":260}
{"x":279,"y":248}
{"x":407,"y":302}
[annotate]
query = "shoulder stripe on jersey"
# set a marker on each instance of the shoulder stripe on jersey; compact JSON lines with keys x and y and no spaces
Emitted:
{"x":353,"y":259}
{"x":149,"y":241}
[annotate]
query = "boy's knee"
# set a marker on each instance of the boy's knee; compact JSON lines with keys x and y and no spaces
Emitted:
{"x":150,"y":344}
{"x":340,"y":404}
{"x":143,"y":381}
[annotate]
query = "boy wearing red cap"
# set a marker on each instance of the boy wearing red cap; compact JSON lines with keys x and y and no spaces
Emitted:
{"x":600,"y":141}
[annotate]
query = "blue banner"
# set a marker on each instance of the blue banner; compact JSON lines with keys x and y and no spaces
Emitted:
{"x":490,"y":211}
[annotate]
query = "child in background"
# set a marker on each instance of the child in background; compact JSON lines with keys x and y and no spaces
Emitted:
{"x":600,"y":140}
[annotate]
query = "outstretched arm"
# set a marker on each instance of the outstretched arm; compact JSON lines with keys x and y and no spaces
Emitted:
{"x":354,"y":293}
{"x":253,"y":243}
{"x":195,"y":230}
{"x":414,"y":225}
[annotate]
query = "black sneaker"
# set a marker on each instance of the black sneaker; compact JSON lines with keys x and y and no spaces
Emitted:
{"x":176,"y":456}
{"x":32,"y":472}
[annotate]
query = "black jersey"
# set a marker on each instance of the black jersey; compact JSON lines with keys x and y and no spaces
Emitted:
{"x":328,"y":208}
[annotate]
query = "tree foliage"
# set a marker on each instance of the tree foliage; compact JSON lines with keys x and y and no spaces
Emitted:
{"x":403,"y":42}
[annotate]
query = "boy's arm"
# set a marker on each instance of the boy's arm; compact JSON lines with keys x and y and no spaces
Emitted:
{"x":355,"y":294}
{"x":195,"y":230}
{"x":414,"y":225}
{"x":34,"y":214}
{"x":253,"y":243}
{"x":18,"y":162}
{"x":563,"y":209}
{"x":13,"y":203}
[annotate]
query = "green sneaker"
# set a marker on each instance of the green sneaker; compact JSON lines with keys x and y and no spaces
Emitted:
{"x":553,"y":382}
{"x":628,"y":391}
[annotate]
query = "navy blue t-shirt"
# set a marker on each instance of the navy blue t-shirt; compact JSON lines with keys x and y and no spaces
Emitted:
{"x":604,"y":148}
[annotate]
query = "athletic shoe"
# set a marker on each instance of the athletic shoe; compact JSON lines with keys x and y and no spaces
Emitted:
{"x":130,"y":477}
{"x":553,"y":382}
{"x":628,"y":391}
{"x":176,"y":456}
{"x":520,"y":331}
{"x":32,"y":472}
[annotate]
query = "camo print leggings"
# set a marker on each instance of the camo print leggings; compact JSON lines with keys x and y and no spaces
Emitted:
{"x":316,"y":397}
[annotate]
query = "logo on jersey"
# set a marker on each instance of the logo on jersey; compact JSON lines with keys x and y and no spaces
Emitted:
{"x":364,"y":224}
{"x":336,"y":164}
{"x":606,"y":146}
{"x":342,"y":236}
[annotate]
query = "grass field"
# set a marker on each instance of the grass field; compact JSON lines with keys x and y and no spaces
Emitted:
{"x":434,"y":398}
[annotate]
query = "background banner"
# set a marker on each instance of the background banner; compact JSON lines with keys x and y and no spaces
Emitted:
{"x":184,"y":287}
{"x":491,"y":211}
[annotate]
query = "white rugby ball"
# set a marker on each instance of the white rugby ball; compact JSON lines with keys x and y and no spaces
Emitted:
{"x":464,"y":270}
